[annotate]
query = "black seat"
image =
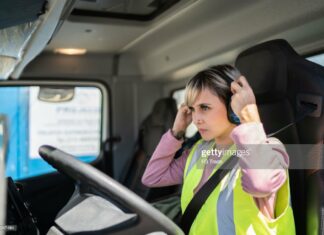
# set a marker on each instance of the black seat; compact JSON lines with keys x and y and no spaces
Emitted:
{"x":153,"y":127}
{"x":283,"y":81}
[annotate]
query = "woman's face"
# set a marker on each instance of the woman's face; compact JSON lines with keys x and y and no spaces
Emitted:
{"x":209,"y":114}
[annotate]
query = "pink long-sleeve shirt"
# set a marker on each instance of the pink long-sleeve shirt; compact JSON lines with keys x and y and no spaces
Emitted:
{"x":262,"y":184}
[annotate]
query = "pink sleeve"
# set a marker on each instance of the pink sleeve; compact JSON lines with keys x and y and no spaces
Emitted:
{"x":264,"y":167}
{"x":163,"y":169}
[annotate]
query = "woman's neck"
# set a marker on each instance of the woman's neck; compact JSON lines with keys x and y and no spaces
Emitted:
{"x":224,"y":141}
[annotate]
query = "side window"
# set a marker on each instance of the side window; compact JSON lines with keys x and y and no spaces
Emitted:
{"x":68,"y":118}
{"x":319,"y":59}
{"x":179,"y":96}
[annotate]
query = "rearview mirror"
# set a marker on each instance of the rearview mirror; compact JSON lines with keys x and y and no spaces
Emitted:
{"x":55,"y":95}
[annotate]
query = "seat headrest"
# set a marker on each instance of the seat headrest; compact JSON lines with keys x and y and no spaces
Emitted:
{"x":164,"y":112}
{"x":266,"y":68}
{"x":157,"y":123}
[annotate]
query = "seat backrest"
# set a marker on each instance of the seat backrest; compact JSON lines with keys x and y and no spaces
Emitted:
{"x":281,"y":81}
{"x":153,"y":127}
{"x":157,"y":123}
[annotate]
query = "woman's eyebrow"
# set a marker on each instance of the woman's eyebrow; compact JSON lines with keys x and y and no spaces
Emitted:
{"x":206,"y":104}
{"x":198,"y":105}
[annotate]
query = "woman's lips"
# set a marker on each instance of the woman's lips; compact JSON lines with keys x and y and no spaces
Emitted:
{"x":202,"y":130}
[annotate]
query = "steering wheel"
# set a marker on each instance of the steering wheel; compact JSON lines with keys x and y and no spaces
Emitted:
{"x":148,"y":219}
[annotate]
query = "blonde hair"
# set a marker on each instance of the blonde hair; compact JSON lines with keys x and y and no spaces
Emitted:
{"x":217,"y":79}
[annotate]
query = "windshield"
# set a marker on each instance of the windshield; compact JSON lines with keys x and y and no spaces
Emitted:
{"x":67,"y":118}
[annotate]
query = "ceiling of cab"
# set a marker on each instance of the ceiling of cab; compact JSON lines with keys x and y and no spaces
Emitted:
{"x":196,"y":33}
{"x":110,"y":35}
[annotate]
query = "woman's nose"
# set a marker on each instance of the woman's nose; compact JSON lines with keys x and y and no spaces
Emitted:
{"x":197,"y":119}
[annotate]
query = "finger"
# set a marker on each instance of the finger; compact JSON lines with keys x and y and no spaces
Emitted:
{"x":235,"y":97}
{"x":185,"y":109}
{"x":242,"y":81}
{"x":235,"y":87}
{"x":275,"y":164}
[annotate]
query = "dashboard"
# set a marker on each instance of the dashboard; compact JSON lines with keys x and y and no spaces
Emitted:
{"x":19,"y":218}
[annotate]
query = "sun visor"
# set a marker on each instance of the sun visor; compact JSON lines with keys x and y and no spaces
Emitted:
{"x":22,"y":43}
{"x":7,"y":65}
{"x":48,"y":23}
{"x":13,"y":41}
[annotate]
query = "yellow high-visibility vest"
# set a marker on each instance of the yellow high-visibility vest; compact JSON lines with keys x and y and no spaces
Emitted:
{"x":229,"y":209}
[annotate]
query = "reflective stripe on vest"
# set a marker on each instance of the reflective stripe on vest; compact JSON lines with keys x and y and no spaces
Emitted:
{"x":229,"y":209}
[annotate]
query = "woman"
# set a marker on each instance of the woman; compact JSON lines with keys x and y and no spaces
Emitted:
{"x":249,"y":199}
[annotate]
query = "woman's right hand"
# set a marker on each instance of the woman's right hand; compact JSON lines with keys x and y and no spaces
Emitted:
{"x":182,"y":120}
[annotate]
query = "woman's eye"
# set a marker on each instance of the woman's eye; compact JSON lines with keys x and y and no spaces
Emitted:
{"x":204,"y":107}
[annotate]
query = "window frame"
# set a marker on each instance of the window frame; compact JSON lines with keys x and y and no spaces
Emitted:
{"x":313,"y":53}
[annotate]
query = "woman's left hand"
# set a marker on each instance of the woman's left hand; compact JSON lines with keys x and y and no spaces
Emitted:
{"x":243,"y":101}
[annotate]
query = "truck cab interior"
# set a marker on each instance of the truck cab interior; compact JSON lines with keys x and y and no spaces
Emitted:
{"x":88,"y":87}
